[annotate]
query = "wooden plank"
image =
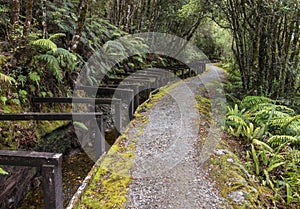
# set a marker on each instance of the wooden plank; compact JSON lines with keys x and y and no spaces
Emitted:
{"x":138,"y":75}
{"x":32,"y":159}
{"x":100,"y":138}
{"x":46,"y":116}
{"x":74,"y":100}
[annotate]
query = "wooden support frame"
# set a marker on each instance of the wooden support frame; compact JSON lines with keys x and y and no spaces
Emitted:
{"x":126,"y":95}
{"x":96,"y":101}
{"x":145,"y":81}
{"x":137,"y":75}
{"x":134,"y":87}
{"x":100,"y":132}
{"x":50,"y":164}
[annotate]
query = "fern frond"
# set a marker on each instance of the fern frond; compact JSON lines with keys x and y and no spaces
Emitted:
{"x":7,"y":79}
{"x":46,"y":44}
{"x":289,"y":125}
{"x":114,"y":48}
{"x":35,"y":77}
{"x":294,"y":155}
{"x":251,"y":101}
{"x":262,"y":145}
{"x":52,"y":63}
{"x":49,"y":59}
{"x":293,"y":128}
{"x":56,"y":35}
{"x":277,"y":140}
{"x":22,"y":79}
{"x":262,"y":116}
{"x":66,"y":54}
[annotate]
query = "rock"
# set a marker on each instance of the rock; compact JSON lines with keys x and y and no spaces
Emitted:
{"x":230,"y":160}
{"x":220,"y":152}
{"x":237,"y":197}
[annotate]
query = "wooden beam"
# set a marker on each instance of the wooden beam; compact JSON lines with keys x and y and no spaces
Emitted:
{"x":97,"y":101}
{"x":46,"y":116}
{"x":25,"y":158}
{"x":50,"y":164}
{"x":74,"y":100}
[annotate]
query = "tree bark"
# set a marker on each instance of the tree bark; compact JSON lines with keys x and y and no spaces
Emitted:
{"x":82,"y":10}
{"x":29,"y":6}
{"x":44,"y":21}
{"x":15,"y":11}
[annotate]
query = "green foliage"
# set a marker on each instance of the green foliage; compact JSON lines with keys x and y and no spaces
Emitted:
{"x":35,"y":77}
{"x":51,"y":62}
{"x":3,"y":172}
{"x":6,"y":79}
{"x":45,"y":44}
{"x":273,"y":132}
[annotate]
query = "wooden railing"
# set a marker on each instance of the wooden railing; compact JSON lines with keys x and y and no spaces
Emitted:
{"x":50,"y":165}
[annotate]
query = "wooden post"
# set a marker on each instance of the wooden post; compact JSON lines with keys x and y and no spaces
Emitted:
{"x":99,"y":137}
{"x":52,"y":186}
{"x":50,"y":163}
{"x":118,"y":118}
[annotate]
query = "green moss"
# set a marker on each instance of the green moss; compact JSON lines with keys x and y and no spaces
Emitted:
{"x":203,"y":106}
{"x":231,"y":176}
{"x":46,"y":127}
{"x":109,"y":187}
{"x":227,"y":171}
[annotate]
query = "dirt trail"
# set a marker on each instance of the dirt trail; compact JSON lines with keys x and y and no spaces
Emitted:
{"x":168,"y":169}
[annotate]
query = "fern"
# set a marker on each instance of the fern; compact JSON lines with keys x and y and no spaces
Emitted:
{"x":263,"y":145}
{"x":7,"y":79}
{"x":22,"y":79}
{"x":251,"y":101}
{"x":35,"y":77}
{"x":3,"y":172}
{"x":255,"y":159}
{"x":46,"y":44}
{"x":53,"y":63}
{"x":114,"y":48}
{"x":277,"y":140}
{"x":56,"y":36}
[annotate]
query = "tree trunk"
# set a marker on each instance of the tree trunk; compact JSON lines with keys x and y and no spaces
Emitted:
{"x":29,"y":6}
{"x":44,"y":21}
{"x":15,"y":11}
{"x":82,"y":10}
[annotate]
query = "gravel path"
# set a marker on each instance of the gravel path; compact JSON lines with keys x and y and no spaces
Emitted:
{"x":168,"y":170}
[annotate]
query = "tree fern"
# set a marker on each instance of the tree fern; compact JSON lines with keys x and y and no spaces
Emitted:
{"x":46,"y":44}
{"x":114,"y":48}
{"x":70,"y":58}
